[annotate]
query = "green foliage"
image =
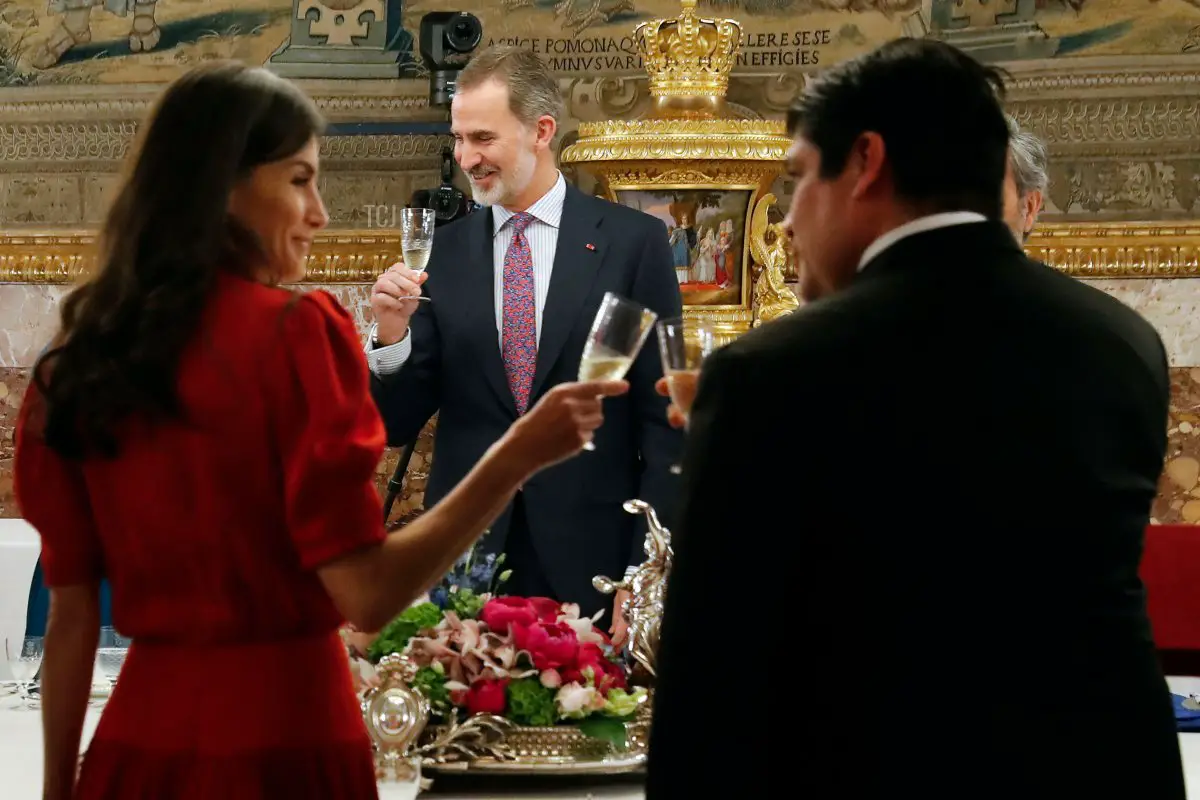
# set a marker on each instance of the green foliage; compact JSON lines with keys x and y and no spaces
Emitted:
{"x":431,"y":682}
{"x":395,"y":635}
{"x":608,"y":728}
{"x":465,"y":603}
{"x":530,"y":703}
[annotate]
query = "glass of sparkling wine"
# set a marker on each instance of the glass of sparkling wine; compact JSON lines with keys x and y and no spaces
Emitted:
{"x":618,"y":333}
{"x":683,"y":345}
{"x":416,"y":238}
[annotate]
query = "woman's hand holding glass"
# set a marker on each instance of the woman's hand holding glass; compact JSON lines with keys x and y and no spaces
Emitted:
{"x":561,"y":423}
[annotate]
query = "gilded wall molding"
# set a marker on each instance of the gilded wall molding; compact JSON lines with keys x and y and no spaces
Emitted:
{"x":1117,"y":250}
{"x":54,"y":257}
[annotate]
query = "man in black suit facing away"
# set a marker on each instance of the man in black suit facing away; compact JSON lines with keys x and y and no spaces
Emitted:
{"x":513,"y":290}
{"x":978,"y":444}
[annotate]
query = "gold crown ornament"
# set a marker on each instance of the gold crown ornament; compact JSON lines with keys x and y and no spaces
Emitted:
{"x":688,"y":56}
{"x":689,"y":145}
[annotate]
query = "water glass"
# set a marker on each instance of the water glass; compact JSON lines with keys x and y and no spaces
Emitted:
{"x":416,"y":237}
{"x":683,"y":345}
{"x":109,"y":661}
{"x":617,"y":335}
{"x":24,"y":659}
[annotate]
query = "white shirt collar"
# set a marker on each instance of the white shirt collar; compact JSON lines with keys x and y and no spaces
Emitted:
{"x":547,"y":209}
{"x":918,"y":225}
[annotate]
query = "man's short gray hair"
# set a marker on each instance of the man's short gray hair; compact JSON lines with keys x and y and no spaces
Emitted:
{"x":1029,"y":161}
{"x":533,"y":91}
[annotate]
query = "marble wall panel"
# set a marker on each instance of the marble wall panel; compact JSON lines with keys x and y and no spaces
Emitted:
{"x":1178,"y":498}
{"x":28,"y":319}
{"x":1171,"y":305}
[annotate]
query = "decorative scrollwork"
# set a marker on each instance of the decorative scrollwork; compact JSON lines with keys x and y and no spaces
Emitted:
{"x":780,"y":90}
{"x":697,"y":174}
{"x":617,"y":96}
{"x":478,"y":736}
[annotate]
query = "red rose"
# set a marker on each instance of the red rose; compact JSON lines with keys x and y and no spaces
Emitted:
{"x":605,"y":673}
{"x":501,"y":612}
{"x":547,"y":610}
{"x":487,"y":696}
{"x":550,"y":644}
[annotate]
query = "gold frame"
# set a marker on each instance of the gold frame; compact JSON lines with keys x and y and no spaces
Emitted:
{"x":712,"y":170}
{"x":756,"y":190}
{"x":1083,"y":250}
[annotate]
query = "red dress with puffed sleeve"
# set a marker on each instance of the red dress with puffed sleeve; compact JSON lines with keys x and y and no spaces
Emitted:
{"x":209,"y":530}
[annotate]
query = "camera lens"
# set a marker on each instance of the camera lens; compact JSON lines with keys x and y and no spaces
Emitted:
{"x":464,"y":32}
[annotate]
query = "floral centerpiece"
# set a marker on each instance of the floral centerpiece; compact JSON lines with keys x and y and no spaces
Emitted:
{"x":530,"y":660}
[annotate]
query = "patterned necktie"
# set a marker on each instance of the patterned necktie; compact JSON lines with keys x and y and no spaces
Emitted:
{"x":520,"y":314}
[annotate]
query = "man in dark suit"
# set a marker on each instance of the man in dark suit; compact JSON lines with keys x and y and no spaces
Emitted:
{"x":513,"y":290}
{"x":949,"y":606}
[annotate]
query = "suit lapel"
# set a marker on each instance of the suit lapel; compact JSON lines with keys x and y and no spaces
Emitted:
{"x":577,"y":258}
{"x":481,"y":305}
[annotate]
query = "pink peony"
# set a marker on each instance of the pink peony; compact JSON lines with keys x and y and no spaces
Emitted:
{"x":547,"y":610}
{"x":501,"y":612}
{"x":550,"y":645}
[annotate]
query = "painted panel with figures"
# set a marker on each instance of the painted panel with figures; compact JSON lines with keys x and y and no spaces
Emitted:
{"x":706,"y":230}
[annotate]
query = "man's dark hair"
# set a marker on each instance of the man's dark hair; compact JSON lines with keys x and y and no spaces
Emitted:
{"x":938,"y":111}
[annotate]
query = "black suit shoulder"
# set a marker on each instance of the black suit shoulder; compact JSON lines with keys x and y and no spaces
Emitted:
{"x":1100,"y":310}
{"x":824,"y":326}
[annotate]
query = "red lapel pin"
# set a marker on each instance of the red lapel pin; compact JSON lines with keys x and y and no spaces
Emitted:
{"x":590,"y":246}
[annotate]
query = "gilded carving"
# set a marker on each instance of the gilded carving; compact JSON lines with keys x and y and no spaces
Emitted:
{"x":773,"y":298}
{"x":336,"y":257}
{"x":651,"y":173}
{"x":1119,"y":250}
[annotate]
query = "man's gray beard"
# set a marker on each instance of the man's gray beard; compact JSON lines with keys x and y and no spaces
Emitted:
{"x":487,"y":199}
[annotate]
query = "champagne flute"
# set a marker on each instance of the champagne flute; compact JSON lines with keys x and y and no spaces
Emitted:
{"x":617,"y":335}
{"x":683,"y":346}
{"x":416,"y":238}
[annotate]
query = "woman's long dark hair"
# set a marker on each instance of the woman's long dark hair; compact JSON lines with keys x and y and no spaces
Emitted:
{"x":166,"y":236}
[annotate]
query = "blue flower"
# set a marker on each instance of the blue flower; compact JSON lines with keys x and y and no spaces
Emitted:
{"x":440,"y":597}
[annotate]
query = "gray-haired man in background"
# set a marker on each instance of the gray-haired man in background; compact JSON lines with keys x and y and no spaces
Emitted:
{"x":1025,"y":182}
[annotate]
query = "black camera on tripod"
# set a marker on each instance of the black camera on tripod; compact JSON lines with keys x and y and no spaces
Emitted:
{"x":447,"y":40}
{"x":447,"y":201}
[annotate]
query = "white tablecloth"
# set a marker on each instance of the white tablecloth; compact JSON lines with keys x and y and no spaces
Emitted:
{"x":19,"y":550}
{"x":21,"y":762}
{"x":21,"y":767}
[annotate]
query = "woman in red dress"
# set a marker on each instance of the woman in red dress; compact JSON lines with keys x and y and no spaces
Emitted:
{"x":207,"y":442}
